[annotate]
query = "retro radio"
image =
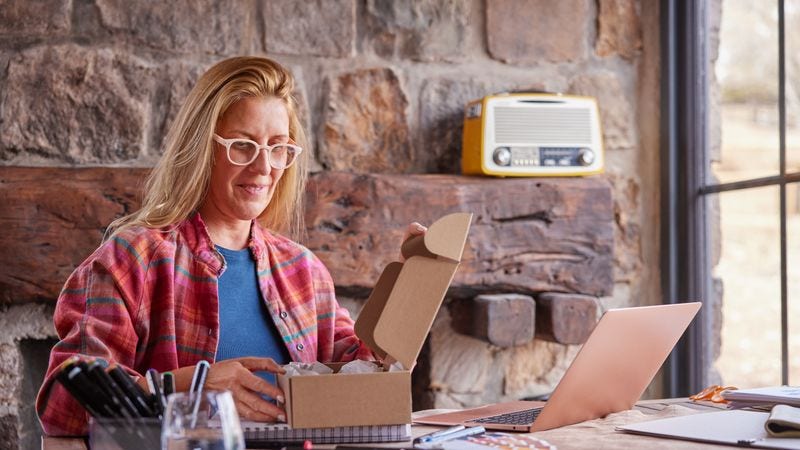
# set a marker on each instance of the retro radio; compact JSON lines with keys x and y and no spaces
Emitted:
{"x":532,"y":135}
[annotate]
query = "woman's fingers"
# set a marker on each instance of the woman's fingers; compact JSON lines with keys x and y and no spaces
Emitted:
{"x":258,"y":384}
{"x":249,"y":413}
{"x":257,"y":405}
{"x":267,"y":364}
{"x":414,"y":229}
{"x":237,"y":376}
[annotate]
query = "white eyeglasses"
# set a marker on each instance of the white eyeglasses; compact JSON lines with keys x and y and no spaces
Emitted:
{"x":242,"y":152}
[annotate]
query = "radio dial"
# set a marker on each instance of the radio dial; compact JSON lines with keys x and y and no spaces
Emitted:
{"x":502,"y":156}
{"x":586,"y":156}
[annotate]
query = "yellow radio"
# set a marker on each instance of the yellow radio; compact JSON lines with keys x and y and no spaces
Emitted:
{"x":522,"y":135}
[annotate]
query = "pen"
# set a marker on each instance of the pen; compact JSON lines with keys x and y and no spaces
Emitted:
{"x":436,"y":434}
{"x":458,"y":434}
{"x":155,"y":390}
{"x":196,"y":391}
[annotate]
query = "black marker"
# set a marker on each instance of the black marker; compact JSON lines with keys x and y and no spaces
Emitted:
{"x":77,"y":394}
{"x":132,"y":390}
{"x":98,"y":376}
{"x":168,"y":382}
{"x":99,"y":373}
{"x":93,"y":395}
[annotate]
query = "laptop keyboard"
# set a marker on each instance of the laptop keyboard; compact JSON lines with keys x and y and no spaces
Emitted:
{"x":513,"y":418}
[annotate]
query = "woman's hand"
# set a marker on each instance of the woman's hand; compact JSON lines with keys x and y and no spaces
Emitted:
{"x":236,"y":375}
{"x":413,"y":229}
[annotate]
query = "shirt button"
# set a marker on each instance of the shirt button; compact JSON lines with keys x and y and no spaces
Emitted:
{"x":300,"y":347}
{"x":209,"y":331}
{"x":284,"y":314}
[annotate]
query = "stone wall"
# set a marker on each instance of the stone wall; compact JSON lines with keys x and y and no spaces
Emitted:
{"x":381,"y":84}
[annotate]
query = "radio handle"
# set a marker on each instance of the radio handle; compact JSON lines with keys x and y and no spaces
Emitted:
{"x":526,"y":91}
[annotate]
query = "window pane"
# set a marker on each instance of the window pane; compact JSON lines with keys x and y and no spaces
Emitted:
{"x":792,"y":17}
{"x":747,"y":73}
{"x":793,"y":275}
{"x":749,"y":269}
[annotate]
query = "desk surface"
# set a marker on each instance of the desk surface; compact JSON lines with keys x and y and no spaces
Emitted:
{"x":579,"y":436}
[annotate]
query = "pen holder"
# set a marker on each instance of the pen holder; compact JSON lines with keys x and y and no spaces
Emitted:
{"x":208,"y":421}
{"x":124,"y":434}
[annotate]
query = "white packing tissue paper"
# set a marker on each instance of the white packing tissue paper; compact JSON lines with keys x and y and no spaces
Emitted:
{"x":360,"y":366}
{"x":301,"y":368}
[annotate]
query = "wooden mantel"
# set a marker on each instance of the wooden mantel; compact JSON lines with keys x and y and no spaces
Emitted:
{"x":529,"y":235}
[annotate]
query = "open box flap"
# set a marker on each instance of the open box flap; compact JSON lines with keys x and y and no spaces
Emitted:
{"x":373,"y":308}
{"x":445,"y":238}
{"x":402,"y":306}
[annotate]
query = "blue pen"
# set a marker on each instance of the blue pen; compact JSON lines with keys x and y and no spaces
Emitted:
{"x":458,"y":434}
{"x":436,"y":434}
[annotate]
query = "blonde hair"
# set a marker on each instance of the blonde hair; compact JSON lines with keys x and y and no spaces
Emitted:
{"x":178,"y":183}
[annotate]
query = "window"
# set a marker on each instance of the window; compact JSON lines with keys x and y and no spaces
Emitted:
{"x":730,"y":208}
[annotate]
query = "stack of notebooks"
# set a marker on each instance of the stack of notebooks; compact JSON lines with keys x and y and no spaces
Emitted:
{"x":258,"y":434}
{"x":776,"y":428}
{"x":765,"y":397}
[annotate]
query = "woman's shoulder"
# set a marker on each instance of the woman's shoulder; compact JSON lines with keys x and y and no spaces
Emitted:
{"x":296,"y":260}
{"x":283,"y":244}
{"x":136,"y":244}
{"x":286,"y":249}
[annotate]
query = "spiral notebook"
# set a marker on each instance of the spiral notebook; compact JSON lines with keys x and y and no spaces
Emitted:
{"x":256,"y":433}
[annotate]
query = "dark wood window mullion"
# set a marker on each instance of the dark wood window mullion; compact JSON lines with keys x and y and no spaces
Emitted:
{"x":685,"y":258}
{"x":783,"y":178}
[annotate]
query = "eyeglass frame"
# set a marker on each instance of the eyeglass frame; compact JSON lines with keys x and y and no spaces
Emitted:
{"x":228,"y":142}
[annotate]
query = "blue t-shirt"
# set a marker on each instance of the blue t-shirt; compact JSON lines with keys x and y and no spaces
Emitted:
{"x":245,"y":326}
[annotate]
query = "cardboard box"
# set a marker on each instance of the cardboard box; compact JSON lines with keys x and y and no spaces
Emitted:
{"x":394,"y":323}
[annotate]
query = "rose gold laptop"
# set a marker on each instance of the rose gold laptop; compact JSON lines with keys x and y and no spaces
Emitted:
{"x":609,"y":374}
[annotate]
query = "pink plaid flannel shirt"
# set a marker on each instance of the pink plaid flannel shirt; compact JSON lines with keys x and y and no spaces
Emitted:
{"x":148,"y":298}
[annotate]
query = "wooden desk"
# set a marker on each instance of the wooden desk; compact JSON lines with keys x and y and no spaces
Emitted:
{"x":579,"y":436}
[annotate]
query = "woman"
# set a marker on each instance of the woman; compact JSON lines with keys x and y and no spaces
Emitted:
{"x":197,"y":273}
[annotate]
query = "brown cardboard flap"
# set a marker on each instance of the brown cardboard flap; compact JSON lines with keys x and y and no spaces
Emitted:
{"x":400,"y":310}
{"x":412,"y":306}
{"x":445,"y":237}
{"x":373,"y":308}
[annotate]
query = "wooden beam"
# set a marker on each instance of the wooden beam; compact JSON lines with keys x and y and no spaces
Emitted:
{"x":52,"y":219}
{"x":504,"y":320}
{"x":565,"y":318}
{"x":529,"y":235}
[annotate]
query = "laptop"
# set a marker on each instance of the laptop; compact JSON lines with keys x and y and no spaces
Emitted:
{"x":609,"y":374}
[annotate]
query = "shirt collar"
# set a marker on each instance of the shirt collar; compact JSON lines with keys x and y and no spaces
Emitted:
{"x":196,"y":234}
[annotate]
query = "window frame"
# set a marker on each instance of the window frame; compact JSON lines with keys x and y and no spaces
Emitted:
{"x":686,"y":187}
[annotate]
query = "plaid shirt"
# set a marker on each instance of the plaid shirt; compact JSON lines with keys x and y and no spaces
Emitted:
{"x":148,"y":298}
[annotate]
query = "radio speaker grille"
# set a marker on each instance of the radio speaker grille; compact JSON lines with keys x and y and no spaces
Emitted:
{"x":543,"y":125}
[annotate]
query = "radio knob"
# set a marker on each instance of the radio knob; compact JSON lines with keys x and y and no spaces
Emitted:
{"x":502,"y":156}
{"x":586,"y":156}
